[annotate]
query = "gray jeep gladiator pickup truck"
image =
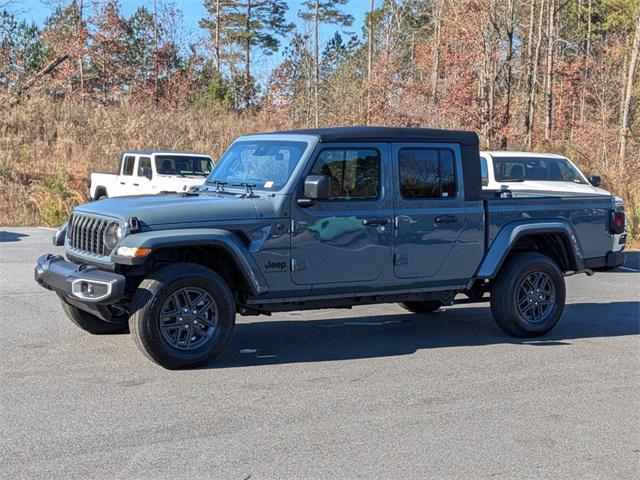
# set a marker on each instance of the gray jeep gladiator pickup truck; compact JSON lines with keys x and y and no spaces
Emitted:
{"x":324,"y":218}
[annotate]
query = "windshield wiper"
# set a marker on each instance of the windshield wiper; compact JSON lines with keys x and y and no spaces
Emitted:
{"x":219,"y":185}
{"x":248,"y":188}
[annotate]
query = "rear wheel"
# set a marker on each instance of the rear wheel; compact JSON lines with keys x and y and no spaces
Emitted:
{"x":91,"y":323}
{"x":182,"y":316}
{"x":528,"y":296}
{"x":422,"y":307}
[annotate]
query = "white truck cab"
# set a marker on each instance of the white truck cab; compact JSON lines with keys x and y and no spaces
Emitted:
{"x":145,"y":172}
{"x":543,"y":172}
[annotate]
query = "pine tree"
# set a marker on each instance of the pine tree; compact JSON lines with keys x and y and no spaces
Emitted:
{"x":321,"y":12}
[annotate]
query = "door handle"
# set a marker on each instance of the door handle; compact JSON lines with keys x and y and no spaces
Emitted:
{"x":375,"y":221}
{"x":136,"y":184}
{"x":121,"y":183}
{"x":446,"y":219}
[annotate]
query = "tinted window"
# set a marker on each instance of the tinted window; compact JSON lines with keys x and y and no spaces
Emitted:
{"x":183,"y":165}
{"x":354,"y":173}
{"x":484,"y":171}
{"x":426,"y":173}
{"x":127,"y":168}
{"x":541,"y":169}
{"x":265,"y":163}
{"x":143,"y":162}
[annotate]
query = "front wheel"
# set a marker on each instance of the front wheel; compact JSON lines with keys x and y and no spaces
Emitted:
{"x":528,"y":296}
{"x":182,"y":316}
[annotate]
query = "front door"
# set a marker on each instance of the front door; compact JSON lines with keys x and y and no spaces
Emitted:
{"x":429,"y":210}
{"x":347,"y":238}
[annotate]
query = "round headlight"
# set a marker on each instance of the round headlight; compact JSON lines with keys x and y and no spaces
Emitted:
{"x":111,"y":237}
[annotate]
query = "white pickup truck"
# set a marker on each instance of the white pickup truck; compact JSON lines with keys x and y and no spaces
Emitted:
{"x":144,"y":172}
{"x":533,"y":174}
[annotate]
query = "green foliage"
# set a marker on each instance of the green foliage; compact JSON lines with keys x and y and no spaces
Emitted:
{"x":52,"y":215}
{"x":21,"y":49}
{"x":216,"y":95}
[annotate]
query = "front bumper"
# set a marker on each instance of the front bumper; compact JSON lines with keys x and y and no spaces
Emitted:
{"x":79,"y":283}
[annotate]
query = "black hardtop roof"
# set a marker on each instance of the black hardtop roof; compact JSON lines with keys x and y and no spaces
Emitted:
{"x":389,"y":134}
{"x":163,"y":152}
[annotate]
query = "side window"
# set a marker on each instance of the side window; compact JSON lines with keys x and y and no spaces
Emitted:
{"x":427,"y":173}
{"x":484,"y":171}
{"x":127,"y":167}
{"x":354,"y":173}
{"x":144,"y":163}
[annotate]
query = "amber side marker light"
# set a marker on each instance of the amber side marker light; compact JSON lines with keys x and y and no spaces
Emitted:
{"x":133,"y":252}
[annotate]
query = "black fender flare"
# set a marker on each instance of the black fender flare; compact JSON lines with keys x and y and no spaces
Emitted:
{"x":512,"y":232}
{"x":197,"y":237}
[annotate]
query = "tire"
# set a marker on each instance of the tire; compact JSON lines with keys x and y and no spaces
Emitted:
{"x":91,"y":323}
{"x":528,"y":296}
{"x":182,"y":337}
{"x":421,"y":307}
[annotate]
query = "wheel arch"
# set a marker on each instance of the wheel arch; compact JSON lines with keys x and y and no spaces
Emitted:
{"x":217,"y":249}
{"x":555,"y":239}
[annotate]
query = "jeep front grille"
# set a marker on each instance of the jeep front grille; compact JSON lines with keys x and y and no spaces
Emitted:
{"x":85,"y":234}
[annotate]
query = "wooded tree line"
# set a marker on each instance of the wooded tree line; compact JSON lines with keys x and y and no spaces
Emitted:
{"x":552,"y":75}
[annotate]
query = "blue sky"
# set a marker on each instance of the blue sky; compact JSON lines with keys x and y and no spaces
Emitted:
{"x":38,"y":10}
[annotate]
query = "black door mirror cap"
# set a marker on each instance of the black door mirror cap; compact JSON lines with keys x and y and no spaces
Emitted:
{"x":595,"y":180}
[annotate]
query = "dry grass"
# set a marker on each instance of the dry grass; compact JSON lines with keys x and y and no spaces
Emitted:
{"x":48,"y":149}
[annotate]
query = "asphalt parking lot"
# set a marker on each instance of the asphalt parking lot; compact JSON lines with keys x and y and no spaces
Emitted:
{"x":373,"y":392}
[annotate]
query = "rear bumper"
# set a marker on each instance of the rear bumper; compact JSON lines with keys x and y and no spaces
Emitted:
{"x":79,"y":283}
{"x":611,"y":260}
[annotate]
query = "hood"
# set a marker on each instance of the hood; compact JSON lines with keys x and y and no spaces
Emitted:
{"x":174,"y":208}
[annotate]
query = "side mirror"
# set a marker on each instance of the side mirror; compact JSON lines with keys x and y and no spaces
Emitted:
{"x":595,"y":180}
{"x":145,"y":172}
{"x":317,"y":187}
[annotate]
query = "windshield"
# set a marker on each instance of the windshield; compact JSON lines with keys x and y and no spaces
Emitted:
{"x":267,"y":164}
{"x":183,"y":165}
{"x":540,"y":169}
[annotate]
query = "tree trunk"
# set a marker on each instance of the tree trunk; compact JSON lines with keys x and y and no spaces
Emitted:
{"x":628,"y":88}
{"x":316,"y":64}
{"x":548,"y":121}
{"x":369,"y":61}
{"x":507,"y":110}
{"x":247,"y":59}
{"x":531,"y":79}
{"x":217,"y":38}
{"x":587,"y":61}
{"x":436,"y":51}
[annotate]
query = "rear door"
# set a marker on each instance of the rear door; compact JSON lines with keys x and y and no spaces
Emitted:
{"x":142,"y":185}
{"x":347,"y":238}
{"x":429,"y":209}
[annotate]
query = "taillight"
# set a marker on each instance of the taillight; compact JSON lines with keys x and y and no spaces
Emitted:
{"x":616,"y":222}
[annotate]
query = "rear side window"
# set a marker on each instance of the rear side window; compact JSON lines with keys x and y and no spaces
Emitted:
{"x":426,"y":173}
{"x":354,"y":173}
{"x":127,"y":167}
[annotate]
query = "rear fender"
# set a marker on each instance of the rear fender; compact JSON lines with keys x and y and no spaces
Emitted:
{"x":512,"y":232}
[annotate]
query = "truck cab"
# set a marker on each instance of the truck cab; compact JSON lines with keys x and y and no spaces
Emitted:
{"x":324,"y":218}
